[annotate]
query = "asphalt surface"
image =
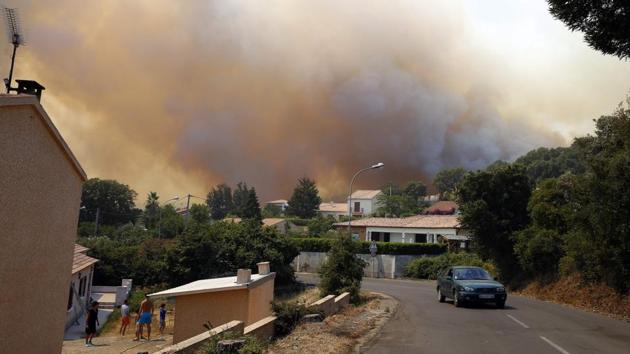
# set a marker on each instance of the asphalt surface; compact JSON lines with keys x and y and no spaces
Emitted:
{"x":423,"y":325}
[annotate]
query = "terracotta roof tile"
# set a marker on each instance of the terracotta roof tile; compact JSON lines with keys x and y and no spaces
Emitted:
{"x":365,"y":194}
{"x":333,"y":207}
{"x":81,"y":260}
{"x":418,"y":221}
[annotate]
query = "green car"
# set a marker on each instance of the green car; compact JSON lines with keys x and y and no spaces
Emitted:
{"x":466,"y":284}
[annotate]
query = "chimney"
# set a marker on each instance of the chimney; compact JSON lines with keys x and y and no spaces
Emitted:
{"x":243,"y":276}
{"x":263,"y":268}
{"x":30,"y":87}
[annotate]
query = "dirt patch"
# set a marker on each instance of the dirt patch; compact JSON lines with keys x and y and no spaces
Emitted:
{"x":345,"y":332}
{"x":572,"y":291}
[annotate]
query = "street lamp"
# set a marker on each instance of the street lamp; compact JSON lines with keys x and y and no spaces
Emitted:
{"x":373,"y":167}
{"x":160,"y":215}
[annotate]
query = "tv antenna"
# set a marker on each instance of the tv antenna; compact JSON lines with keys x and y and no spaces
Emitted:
{"x":15,"y":37}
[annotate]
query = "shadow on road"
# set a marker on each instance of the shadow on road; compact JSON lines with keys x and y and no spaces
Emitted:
{"x":484,"y":306}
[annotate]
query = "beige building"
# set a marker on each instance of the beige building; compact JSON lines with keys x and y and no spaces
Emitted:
{"x":332,"y":209}
{"x":40,"y":185}
{"x":80,"y":290}
{"x":246,"y":297}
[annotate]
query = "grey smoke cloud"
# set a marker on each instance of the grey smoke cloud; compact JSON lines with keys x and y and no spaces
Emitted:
{"x":178,"y":96}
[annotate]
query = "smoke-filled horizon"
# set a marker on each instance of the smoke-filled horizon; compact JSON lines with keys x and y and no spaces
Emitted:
{"x":177,"y":97}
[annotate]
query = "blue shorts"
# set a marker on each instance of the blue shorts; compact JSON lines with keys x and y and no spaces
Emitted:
{"x":145,"y":318}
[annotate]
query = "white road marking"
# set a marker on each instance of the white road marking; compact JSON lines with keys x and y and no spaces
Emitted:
{"x":517,"y":321}
{"x":558,"y":348}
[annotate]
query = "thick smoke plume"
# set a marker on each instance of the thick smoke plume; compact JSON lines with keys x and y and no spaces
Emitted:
{"x":177,"y":96}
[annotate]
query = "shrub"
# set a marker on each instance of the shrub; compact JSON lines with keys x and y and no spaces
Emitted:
{"x":310,"y":244}
{"x":343,"y":270}
{"x":430,"y":267}
{"x":288,"y":316}
{"x":252,"y":345}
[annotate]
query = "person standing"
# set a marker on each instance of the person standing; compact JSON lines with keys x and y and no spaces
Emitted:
{"x":162,"y":319}
{"x":91,"y":321}
{"x":146,"y":312}
{"x":124,"y":312}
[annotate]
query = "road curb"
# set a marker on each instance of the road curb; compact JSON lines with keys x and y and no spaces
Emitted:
{"x":365,"y":342}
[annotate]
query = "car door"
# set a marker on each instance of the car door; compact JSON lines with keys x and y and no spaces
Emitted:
{"x":448,"y":282}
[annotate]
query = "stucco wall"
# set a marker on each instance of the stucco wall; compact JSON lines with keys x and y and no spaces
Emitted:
{"x":381,"y":266}
{"x":217,"y":307}
{"x":260,"y":298}
{"x":39,"y":207}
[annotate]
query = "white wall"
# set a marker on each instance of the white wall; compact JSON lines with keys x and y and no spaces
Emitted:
{"x":395,"y":234}
{"x":368,"y":206}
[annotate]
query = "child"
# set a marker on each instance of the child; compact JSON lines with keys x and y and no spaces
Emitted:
{"x":162,"y":319}
{"x":124,"y":312}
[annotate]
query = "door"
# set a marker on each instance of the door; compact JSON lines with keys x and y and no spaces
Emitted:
{"x":357,"y":207}
{"x":447,"y":283}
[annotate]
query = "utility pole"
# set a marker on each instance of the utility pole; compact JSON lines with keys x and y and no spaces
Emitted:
{"x":98,"y":213}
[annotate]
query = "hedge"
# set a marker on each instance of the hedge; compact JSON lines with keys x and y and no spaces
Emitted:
{"x":313,"y":244}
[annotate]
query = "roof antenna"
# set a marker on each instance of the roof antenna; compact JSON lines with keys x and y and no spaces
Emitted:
{"x":15,"y":37}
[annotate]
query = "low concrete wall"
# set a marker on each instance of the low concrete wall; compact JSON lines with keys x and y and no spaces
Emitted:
{"x":194,"y":344}
{"x":381,"y":266}
{"x":342,"y":301}
{"x":263,"y":329}
{"x":326,"y":305}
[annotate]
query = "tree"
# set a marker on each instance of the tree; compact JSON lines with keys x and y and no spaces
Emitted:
{"x":604,"y":23}
{"x":447,"y":181}
{"x":343,"y":270}
{"x":219,"y":201}
{"x":320,"y":225}
{"x":171,"y":222}
{"x":251,"y":209}
{"x":113,"y":200}
{"x":271,"y":211}
{"x":413,"y":202}
{"x":493,"y":207}
{"x":599,"y":242}
{"x":151,"y":210}
{"x":389,"y":201}
{"x":305,"y":199}
{"x":543,"y":163}
{"x":240,"y":197}
{"x":200,"y":213}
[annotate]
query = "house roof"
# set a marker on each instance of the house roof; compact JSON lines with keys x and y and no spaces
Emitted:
{"x":266,"y":221}
{"x":418,"y":221}
{"x":333,"y":207}
{"x":365,"y":194}
{"x":279,"y":201}
{"x":81,"y":260}
{"x":212,"y":285}
{"x":443,"y":205}
{"x":30,"y":100}
{"x":272,"y":221}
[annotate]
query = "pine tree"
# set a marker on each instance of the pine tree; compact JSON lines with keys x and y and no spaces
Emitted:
{"x":251,"y":209}
{"x":220,"y":202}
{"x":305,"y":199}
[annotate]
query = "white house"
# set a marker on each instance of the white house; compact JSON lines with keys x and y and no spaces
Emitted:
{"x":80,"y":290}
{"x":281,"y":204}
{"x":364,"y":202}
{"x":333,"y":209}
{"x":414,"y":229}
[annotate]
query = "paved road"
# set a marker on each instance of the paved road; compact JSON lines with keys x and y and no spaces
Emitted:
{"x":423,"y":325}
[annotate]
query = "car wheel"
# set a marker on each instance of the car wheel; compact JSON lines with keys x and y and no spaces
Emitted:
{"x":440,"y":296}
{"x":456,"y":301}
{"x":500,"y":304}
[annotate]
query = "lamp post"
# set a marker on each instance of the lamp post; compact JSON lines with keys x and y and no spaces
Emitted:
{"x":188,"y":204}
{"x":160,"y":215}
{"x":373,"y":167}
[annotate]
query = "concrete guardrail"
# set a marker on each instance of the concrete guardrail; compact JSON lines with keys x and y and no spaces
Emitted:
{"x":194,"y":344}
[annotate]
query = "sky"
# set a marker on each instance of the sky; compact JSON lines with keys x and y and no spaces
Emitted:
{"x":178,"y":96}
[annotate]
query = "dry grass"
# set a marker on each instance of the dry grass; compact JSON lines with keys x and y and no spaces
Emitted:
{"x":339,"y":333}
{"x":572,"y":291}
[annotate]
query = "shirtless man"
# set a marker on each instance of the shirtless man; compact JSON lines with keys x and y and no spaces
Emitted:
{"x":145,"y":314}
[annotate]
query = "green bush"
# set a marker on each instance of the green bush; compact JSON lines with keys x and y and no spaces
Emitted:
{"x":430,"y":267}
{"x":288,"y":316}
{"x":311,"y":244}
{"x":343,"y":270}
{"x":252,"y":345}
{"x":298,"y":221}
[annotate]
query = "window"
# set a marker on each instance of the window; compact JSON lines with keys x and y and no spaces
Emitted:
{"x":421,"y":238}
{"x":376,"y":236}
{"x":82,"y":286}
{"x":385,"y":236}
{"x":357,"y":207}
{"x":70,"y":298}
